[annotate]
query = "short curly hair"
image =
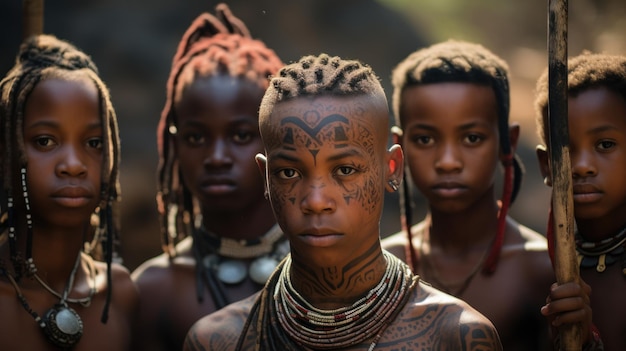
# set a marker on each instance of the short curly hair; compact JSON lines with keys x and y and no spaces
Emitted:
{"x":585,"y":71}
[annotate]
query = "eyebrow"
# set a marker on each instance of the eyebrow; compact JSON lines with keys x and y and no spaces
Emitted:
{"x":56,"y":125}
{"x":345,"y":154}
{"x":466,"y":126}
{"x":603,"y":128}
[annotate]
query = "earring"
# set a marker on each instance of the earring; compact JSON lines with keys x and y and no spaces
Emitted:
{"x":266,"y":195}
{"x":546,"y":181}
{"x":394,"y":184}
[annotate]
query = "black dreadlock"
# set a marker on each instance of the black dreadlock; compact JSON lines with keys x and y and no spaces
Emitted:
{"x":44,"y":57}
{"x":211,"y":46}
{"x":459,"y":61}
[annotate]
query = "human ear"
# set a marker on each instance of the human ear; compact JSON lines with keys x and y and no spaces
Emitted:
{"x":514,"y":132}
{"x":395,"y":167}
{"x":396,"y":135}
{"x":544,"y":164}
{"x":261,"y":162}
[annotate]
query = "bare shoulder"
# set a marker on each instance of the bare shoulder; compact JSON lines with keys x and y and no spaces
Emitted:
{"x":125,"y":292}
{"x":162,"y":270}
{"x":220,"y":330}
{"x":396,"y":244}
{"x":442,"y":322}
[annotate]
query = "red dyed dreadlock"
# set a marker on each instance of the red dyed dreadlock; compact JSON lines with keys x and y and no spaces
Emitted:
{"x":211,"y":46}
{"x":457,"y":61}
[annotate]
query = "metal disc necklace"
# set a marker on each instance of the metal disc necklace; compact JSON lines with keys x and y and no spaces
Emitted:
{"x":61,"y":324}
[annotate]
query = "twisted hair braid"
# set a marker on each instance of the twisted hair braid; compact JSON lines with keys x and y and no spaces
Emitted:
{"x":320,"y":75}
{"x":459,"y":61}
{"x":40,"y":58}
{"x":212,"y":45}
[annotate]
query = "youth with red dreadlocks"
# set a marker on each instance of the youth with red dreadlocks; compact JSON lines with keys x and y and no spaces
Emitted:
{"x":325,"y":125}
{"x":60,"y":151}
{"x":220,"y":238}
{"x":451,"y":104}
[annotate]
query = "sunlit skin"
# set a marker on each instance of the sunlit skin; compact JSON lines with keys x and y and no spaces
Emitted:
{"x":63,"y":144}
{"x":326,"y":166}
{"x":216,"y":140}
{"x":597,"y":149}
{"x":451,"y":143}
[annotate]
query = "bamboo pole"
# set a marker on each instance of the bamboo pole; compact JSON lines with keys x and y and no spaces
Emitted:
{"x":565,"y":263}
{"x":32,"y":18}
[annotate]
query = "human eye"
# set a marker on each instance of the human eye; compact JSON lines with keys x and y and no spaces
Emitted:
{"x":473,"y":138}
{"x":287,"y":173}
{"x":605,"y":145}
{"x":95,"y":143}
{"x":343,"y":171}
{"x":421,"y":139}
{"x":194,"y":139}
{"x":44,"y":142}
{"x":242,"y":136}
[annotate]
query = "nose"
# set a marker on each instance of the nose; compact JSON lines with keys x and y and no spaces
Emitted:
{"x":448,"y":159}
{"x":72,"y":163}
{"x":318,"y":199}
{"x":218,"y":154}
{"x":583,"y":164}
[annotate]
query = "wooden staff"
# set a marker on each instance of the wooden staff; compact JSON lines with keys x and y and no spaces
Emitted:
{"x":565,"y":263}
{"x":32,"y":18}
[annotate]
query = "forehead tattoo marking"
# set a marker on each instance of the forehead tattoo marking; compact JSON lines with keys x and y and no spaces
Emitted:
{"x":312,"y":124}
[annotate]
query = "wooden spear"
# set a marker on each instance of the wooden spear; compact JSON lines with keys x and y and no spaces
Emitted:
{"x":32,"y":18}
{"x":565,"y":263}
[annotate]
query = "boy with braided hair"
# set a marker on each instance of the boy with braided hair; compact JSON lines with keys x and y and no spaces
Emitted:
{"x":60,"y":151}
{"x":451,"y":105}
{"x":597,"y":150}
{"x":324,"y":125}
{"x":220,"y":238}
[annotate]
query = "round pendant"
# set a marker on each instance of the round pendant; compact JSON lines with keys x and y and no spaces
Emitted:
{"x":64,"y":327}
{"x":262,"y":268}
{"x":232,"y":271}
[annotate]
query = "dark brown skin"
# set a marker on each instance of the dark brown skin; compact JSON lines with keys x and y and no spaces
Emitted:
{"x":597,"y":132}
{"x":217,"y":139}
{"x":326,"y":184}
{"x":452,"y":146}
{"x":62,"y":137}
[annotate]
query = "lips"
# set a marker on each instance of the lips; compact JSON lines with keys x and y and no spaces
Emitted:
{"x":73,"y":196}
{"x":320,"y":237}
{"x":218,"y":186}
{"x":448,"y":189}
{"x":586,"y":193}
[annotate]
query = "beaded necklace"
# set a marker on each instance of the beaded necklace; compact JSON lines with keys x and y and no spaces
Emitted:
{"x":602,"y":253}
{"x":303,"y":325}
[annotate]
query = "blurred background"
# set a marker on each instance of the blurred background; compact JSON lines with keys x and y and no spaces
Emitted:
{"x":133,"y":42}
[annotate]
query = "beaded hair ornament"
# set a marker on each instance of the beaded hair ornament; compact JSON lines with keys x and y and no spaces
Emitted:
{"x":42,"y":57}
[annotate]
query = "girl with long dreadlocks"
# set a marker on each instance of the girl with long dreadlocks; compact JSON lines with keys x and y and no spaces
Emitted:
{"x":324,"y":123}
{"x":451,"y":104}
{"x":220,"y":237}
{"x":60,"y":153}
